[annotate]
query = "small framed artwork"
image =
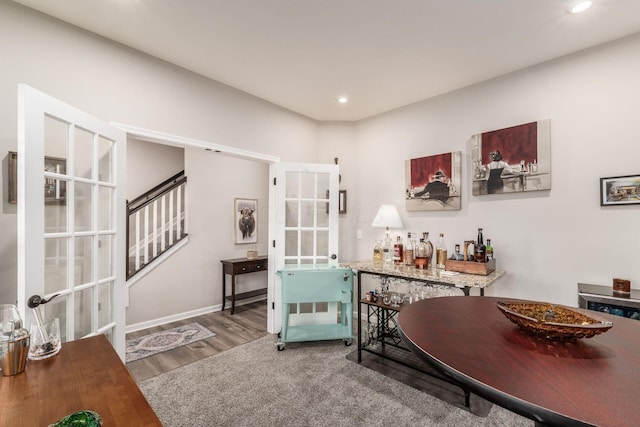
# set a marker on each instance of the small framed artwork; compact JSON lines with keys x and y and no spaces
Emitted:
{"x":512,"y":160}
{"x":246,"y":220}
{"x":620,"y":190}
{"x":342,"y":202}
{"x":55,"y":190}
{"x":432,"y":183}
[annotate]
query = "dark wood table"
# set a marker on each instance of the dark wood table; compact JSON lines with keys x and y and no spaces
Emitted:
{"x":588,"y":382}
{"x":236,"y":266}
{"x":87,"y":374}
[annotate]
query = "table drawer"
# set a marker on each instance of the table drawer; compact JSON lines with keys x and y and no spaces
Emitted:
{"x":250,"y":266}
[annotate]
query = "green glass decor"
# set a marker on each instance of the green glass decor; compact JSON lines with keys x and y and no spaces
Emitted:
{"x":80,"y":419}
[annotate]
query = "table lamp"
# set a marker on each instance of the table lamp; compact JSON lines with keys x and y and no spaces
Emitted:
{"x":387,"y":217}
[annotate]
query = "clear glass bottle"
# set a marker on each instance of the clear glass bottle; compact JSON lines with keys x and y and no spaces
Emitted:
{"x":398,"y":251}
{"x":409,"y":252}
{"x":441,"y":252}
{"x":377,"y":251}
{"x":430,"y":250}
{"x":489,"y":250}
{"x":480,"y":250}
{"x":387,"y":251}
{"x":421,"y":261}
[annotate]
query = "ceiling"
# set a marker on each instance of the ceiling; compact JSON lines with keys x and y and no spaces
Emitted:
{"x":382,"y":54}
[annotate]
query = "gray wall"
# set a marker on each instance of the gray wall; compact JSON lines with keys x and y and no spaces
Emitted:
{"x":117,"y":84}
{"x":547,"y":240}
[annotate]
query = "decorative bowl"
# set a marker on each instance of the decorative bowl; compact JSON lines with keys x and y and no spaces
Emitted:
{"x":552,"y":321}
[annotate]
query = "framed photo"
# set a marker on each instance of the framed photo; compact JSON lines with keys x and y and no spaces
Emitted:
{"x":342,"y":202}
{"x":246,"y":220}
{"x":620,"y":190}
{"x":55,"y":190}
{"x":511,"y":160}
{"x":433,"y":183}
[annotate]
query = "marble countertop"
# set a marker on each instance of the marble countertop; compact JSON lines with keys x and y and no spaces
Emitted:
{"x":460,"y":280}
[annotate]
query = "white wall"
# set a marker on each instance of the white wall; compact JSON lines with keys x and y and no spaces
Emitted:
{"x":121,"y":85}
{"x":149,"y":164}
{"x":549,"y":240}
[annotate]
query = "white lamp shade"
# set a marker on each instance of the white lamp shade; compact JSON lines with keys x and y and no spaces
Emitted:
{"x":387,"y":217}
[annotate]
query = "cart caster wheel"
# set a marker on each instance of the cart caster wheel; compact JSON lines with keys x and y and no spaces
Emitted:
{"x":280,"y":346}
{"x":348,"y":342}
{"x":280,"y":334}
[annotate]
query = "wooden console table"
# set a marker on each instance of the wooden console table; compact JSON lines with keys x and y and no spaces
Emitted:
{"x":87,"y":374}
{"x":236,"y":266}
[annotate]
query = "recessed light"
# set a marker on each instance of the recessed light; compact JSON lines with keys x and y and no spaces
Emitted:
{"x":343,"y":99}
{"x":581,"y":7}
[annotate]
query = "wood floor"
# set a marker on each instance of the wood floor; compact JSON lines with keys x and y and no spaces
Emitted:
{"x":246,"y":324}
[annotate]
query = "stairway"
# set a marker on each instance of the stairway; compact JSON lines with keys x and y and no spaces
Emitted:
{"x":155,"y":223}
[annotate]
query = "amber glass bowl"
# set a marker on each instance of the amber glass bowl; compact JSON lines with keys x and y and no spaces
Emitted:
{"x":552,"y":321}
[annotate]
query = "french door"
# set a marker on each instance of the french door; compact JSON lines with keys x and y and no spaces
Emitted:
{"x":303,"y":230}
{"x":71,"y":208}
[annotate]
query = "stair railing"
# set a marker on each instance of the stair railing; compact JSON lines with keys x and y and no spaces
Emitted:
{"x":155,"y":222}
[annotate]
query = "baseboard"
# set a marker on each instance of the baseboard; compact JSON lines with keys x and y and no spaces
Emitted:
{"x":186,"y":315}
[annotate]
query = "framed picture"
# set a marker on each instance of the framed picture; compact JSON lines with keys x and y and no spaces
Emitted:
{"x":342,"y":202}
{"x":246,"y":220}
{"x":513,"y":159}
{"x":620,"y":190}
{"x":55,"y":190}
{"x":433,"y":183}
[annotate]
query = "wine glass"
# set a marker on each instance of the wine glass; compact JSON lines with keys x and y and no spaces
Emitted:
{"x":396,"y":299}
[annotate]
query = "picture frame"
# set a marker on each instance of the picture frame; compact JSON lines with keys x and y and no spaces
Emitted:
{"x":433,"y":183}
{"x":246,"y":220}
{"x":620,"y":190}
{"x":512,"y":160}
{"x":55,"y":190}
{"x":342,"y":201}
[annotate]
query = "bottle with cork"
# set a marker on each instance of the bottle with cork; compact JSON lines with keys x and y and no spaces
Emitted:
{"x":409,"y":252}
{"x":441,"y":252}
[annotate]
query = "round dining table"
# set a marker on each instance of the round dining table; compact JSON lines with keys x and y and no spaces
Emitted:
{"x":589,"y":381}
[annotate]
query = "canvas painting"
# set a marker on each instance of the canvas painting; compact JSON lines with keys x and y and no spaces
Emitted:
{"x":246,"y":220}
{"x":433,"y":182}
{"x":513,"y":159}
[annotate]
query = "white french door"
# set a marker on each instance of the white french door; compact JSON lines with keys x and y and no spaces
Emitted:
{"x":71,"y":225}
{"x":303,"y":230}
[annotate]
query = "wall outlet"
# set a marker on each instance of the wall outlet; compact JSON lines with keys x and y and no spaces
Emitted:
{"x":359,"y":234}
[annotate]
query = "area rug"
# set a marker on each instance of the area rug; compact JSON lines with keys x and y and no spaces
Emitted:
{"x":307,"y":384}
{"x":148,"y":345}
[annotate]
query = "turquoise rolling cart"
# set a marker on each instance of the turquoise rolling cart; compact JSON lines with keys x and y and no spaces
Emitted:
{"x":312,"y":284}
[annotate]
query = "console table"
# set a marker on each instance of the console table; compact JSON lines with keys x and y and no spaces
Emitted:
{"x":429,"y":276}
{"x":236,"y":266}
{"x":385,"y":340}
{"x":87,"y":374}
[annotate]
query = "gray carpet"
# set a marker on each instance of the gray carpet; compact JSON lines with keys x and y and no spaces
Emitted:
{"x":308,"y":384}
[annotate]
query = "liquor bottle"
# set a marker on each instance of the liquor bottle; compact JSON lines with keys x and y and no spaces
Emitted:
{"x":398,"y":251}
{"x":480,"y":250}
{"x":377,"y":252}
{"x":387,"y":251}
{"x":441,"y":253}
{"x":489,"y":250}
{"x":421,"y":260}
{"x":408,"y":251}
{"x":430,"y":251}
